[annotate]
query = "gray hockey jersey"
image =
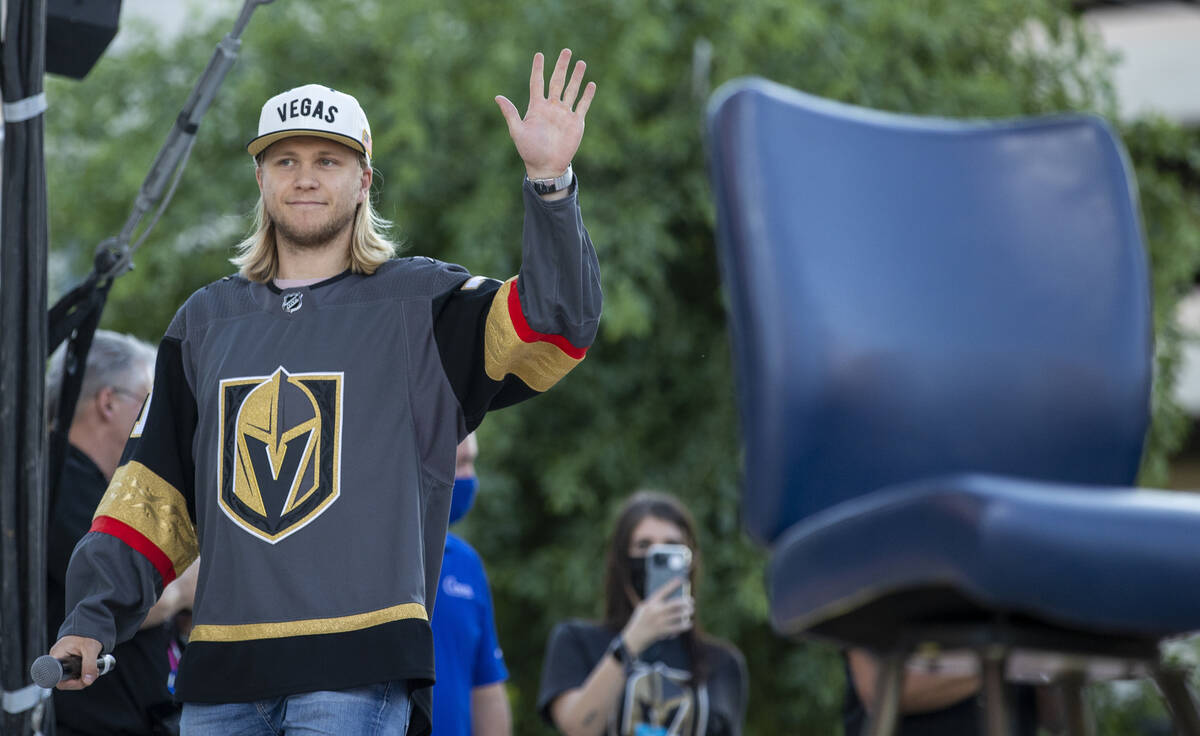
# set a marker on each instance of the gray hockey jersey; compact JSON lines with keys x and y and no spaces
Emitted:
{"x":301,"y":442}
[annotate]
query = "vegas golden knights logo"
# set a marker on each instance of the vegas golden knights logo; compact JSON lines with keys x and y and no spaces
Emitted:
{"x":280,"y":439}
{"x":660,"y":700}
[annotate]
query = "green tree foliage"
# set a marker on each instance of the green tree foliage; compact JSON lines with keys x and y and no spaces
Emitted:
{"x":653,"y":404}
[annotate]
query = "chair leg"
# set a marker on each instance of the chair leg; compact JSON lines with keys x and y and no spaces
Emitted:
{"x":995,"y":695}
{"x":1076,"y":716}
{"x":1181,"y":701}
{"x":888,"y":685}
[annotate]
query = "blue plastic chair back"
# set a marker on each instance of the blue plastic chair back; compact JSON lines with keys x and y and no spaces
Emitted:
{"x":913,"y":297}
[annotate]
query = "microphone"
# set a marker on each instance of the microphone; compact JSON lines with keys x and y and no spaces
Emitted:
{"x":47,"y":671}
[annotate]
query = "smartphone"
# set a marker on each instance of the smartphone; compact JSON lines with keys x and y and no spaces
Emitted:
{"x":664,"y":563}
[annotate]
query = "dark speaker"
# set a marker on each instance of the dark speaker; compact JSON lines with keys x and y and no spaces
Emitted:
{"x":77,"y":33}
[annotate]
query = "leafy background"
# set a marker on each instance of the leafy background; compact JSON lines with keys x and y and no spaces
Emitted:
{"x":653,"y":405}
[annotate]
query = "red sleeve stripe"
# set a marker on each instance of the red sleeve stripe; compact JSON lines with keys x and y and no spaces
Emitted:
{"x":137,"y":540}
{"x":528,"y":334}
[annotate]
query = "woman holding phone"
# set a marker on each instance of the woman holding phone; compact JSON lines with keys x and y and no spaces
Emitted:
{"x":647,"y":669}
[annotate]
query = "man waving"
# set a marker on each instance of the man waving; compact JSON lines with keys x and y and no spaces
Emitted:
{"x":300,"y":434}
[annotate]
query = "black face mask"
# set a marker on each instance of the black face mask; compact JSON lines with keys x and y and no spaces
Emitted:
{"x":637,"y":574}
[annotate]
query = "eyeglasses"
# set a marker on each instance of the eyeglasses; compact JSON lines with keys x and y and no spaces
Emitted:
{"x":131,"y":394}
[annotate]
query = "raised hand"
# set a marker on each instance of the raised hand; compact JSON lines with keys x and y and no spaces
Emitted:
{"x":549,"y":134}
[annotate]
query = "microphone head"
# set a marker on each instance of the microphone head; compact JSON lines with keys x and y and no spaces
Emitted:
{"x":46,"y":671}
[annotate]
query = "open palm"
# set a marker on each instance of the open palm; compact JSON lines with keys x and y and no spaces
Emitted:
{"x":549,"y":133}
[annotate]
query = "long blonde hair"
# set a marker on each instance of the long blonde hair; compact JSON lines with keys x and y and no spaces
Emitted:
{"x":258,"y":259}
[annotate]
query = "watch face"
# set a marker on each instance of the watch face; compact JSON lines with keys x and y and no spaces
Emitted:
{"x":617,"y":647}
{"x":549,"y":186}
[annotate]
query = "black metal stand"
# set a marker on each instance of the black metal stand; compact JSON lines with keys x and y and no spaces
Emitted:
{"x":22,"y":349}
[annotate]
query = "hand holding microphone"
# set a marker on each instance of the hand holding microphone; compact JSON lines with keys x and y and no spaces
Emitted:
{"x":48,"y":672}
{"x":74,"y":662}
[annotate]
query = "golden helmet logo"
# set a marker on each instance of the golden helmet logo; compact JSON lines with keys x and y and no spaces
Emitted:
{"x":280,"y":440}
{"x":661,"y":700}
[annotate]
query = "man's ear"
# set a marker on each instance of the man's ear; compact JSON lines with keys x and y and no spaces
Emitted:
{"x":364,"y":191}
{"x":106,"y":402}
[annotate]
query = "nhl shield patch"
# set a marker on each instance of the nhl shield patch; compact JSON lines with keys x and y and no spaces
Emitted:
{"x":292,"y":302}
{"x":280,"y":439}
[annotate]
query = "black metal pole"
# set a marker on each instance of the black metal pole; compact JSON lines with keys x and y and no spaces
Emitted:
{"x":113,"y":256}
{"x":22,"y":361}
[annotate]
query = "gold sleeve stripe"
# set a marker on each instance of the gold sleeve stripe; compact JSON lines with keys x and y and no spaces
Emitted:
{"x":141,"y":500}
{"x":511,"y":346}
{"x":308,"y":627}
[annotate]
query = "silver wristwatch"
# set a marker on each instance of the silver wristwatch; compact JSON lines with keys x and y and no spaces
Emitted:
{"x":557,"y":184}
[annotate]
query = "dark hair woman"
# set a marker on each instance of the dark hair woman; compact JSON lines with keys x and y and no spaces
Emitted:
{"x":647,"y":669}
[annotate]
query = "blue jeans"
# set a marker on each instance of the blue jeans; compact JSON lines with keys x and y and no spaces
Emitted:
{"x":382,"y":709}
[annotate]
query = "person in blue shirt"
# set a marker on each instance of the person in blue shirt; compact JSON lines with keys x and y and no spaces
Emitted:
{"x":469,"y":697}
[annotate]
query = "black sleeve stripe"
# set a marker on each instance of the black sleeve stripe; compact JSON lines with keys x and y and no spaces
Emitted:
{"x":164,"y":444}
{"x":459,"y":323}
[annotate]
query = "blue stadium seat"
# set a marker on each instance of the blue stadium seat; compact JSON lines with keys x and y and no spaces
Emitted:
{"x":942,"y":338}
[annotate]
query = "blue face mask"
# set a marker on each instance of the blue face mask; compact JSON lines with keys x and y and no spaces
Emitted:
{"x":464,"y":496}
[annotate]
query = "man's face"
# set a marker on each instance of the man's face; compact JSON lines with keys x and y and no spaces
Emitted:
{"x":311,"y":187}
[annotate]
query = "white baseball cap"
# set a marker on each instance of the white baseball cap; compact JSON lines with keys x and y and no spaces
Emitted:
{"x":313,"y":110}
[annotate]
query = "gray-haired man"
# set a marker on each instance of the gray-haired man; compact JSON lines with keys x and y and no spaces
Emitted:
{"x":134,"y":699}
